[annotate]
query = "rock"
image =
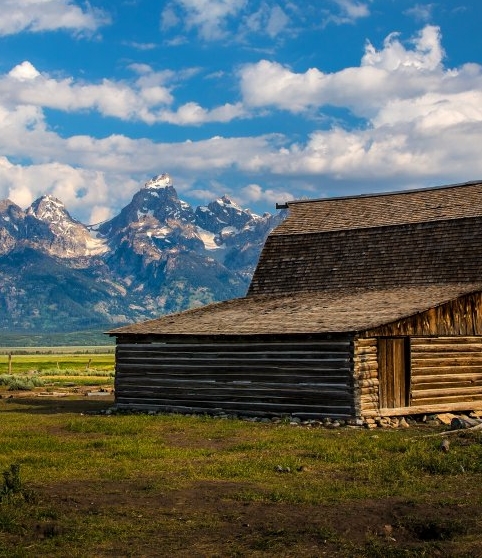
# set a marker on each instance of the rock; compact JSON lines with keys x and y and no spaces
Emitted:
{"x":445,"y":445}
{"x":403,"y":423}
{"x":446,"y":418}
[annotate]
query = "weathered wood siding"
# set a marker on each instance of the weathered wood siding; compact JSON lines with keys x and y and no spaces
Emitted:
{"x":365,"y":369}
{"x":446,"y":370}
{"x":462,"y":316}
{"x":309,"y":379}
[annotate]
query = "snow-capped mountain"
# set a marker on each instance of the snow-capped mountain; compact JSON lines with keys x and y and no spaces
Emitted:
{"x":68,"y":238}
{"x":157,"y":255}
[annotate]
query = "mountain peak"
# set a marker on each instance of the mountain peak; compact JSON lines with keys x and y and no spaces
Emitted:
{"x":227,"y":201}
{"x":159,"y":181}
{"x":49,"y":208}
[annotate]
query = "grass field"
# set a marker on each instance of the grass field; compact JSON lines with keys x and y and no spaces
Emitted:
{"x":80,"y":482}
{"x":57,"y":367}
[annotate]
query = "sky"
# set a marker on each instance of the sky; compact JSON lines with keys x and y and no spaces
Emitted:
{"x":262,"y":100}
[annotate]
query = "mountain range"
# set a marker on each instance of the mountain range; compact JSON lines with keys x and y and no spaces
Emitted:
{"x":158,"y":255}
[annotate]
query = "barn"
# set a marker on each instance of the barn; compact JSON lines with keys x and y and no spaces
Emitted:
{"x":359,"y":307}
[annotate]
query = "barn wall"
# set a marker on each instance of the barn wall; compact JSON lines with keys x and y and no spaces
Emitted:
{"x":312,"y":379}
{"x":446,"y":370}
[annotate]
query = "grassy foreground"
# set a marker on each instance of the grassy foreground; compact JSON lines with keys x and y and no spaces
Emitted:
{"x":168,"y":485}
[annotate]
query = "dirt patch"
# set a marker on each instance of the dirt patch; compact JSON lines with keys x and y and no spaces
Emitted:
{"x":210,"y":519}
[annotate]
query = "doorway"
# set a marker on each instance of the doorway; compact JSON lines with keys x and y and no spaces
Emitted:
{"x":394,"y":372}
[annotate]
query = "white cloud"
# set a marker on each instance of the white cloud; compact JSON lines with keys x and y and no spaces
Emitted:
{"x":147,"y":99}
{"x":256,"y":193}
{"x":349,"y":12}
{"x":24,"y":85}
{"x":420,"y":12}
{"x":49,"y":15}
{"x":216,"y":20}
{"x":278,"y":20}
{"x":192,"y":113}
{"x":392,"y":73}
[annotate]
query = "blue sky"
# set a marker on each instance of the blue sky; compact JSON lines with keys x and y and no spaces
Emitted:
{"x":264,"y":101}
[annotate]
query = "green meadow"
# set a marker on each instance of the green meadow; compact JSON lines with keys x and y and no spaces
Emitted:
{"x":82,"y":482}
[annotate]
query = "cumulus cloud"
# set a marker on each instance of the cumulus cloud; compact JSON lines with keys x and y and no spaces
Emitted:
{"x":49,"y":15}
{"x":411,"y":82}
{"x":148,"y":98}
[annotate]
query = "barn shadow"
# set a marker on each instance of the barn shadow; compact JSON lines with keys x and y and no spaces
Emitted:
{"x":55,"y":405}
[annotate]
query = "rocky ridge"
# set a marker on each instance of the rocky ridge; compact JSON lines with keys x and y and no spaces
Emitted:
{"x":158,"y":255}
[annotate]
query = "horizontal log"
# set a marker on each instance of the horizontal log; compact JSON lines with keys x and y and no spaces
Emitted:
{"x":448,"y":370}
{"x":217,"y":388}
{"x":459,"y":340}
{"x":366,"y":376}
{"x":441,"y":351}
{"x":234,"y":357}
{"x":453,"y":360}
{"x":444,"y":386}
{"x":365,"y":368}
{"x":447,"y":391}
{"x":240,"y":406}
{"x":467,"y":401}
{"x":238,"y":372}
{"x":453,"y":377}
{"x":373,"y":393}
{"x":233,"y":347}
{"x":303,"y":365}
{"x":438,"y":407}
{"x":369,"y":399}
{"x":281,"y":380}
{"x":364,"y":341}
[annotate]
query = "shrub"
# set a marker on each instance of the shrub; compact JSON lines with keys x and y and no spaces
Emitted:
{"x":15,"y":382}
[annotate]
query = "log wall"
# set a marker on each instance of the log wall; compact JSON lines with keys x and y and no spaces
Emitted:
{"x":365,"y":370}
{"x":446,"y":370}
{"x":311,"y":379}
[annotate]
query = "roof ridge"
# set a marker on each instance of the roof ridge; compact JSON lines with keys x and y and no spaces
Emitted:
{"x":285,"y":205}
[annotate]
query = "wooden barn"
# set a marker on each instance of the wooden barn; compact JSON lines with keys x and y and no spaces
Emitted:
{"x":360,"y":306}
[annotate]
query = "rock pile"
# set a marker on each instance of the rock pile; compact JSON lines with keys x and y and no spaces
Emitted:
{"x":440,"y":419}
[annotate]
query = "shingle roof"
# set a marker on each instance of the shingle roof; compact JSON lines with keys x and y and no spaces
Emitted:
{"x":375,"y":241}
{"x":381,"y":257}
{"x":387,"y":209}
{"x":313,"y":312}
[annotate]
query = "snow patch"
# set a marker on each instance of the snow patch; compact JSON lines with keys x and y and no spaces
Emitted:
{"x":208,"y":239}
{"x":159,"y":181}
